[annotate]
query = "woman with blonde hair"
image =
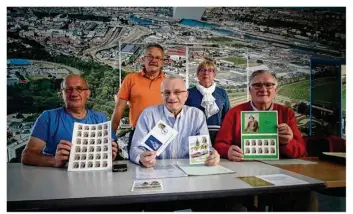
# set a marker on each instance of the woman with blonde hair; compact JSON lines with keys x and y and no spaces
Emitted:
{"x":209,"y":98}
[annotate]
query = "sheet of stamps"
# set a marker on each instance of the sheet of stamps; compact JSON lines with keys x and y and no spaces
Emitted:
{"x":91,"y":147}
{"x":147,"y":185}
{"x":259,"y":135}
{"x":199,"y":148}
{"x":159,"y":137}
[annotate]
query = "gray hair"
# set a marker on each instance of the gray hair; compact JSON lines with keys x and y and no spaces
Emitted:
{"x":259,"y":72}
{"x":172,"y":77}
{"x":155,"y":45}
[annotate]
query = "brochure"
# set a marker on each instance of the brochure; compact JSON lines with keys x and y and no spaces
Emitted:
{"x":159,"y":137}
{"x":199,"y":149}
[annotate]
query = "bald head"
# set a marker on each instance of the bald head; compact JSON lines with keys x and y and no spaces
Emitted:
{"x":75,"y":92}
{"x":174,"y":93}
{"x":73,"y":76}
{"x":173,"y":78}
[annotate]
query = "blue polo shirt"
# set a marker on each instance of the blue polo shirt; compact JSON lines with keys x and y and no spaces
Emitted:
{"x":57,"y":124}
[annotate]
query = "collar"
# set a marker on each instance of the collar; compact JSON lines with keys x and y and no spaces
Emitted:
{"x":167,"y":113}
{"x":72,"y":116}
{"x":143,"y":73}
{"x":255,"y":109}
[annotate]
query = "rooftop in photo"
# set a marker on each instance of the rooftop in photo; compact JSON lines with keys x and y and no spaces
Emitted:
{"x":18,"y":62}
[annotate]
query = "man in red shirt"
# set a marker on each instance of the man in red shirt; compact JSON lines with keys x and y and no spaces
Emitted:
{"x":263,"y":88}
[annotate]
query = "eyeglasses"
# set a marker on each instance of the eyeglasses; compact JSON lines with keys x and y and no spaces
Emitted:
{"x":78,"y":89}
{"x":168,"y":93}
{"x":259,"y":85}
{"x":150,"y":58}
{"x":204,"y":70}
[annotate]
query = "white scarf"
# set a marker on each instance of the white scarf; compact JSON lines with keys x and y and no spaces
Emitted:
{"x":208,"y":101}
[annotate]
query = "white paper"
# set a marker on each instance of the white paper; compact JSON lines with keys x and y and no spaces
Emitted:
{"x":147,"y":185}
{"x":204,"y":170}
{"x":159,"y":171}
{"x":287,"y":162}
{"x":159,"y":137}
{"x":336,"y":154}
{"x":199,"y":149}
{"x":91,"y":147}
{"x":281,"y":179}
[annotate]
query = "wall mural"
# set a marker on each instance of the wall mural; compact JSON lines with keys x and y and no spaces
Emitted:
{"x":104,"y":44}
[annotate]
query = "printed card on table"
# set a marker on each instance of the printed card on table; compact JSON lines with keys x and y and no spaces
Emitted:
{"x":259,"y":135}
{"x":255,"y":181}
{"x":199,"y":149}
{"x":91,"y":147}
{"x":159,"y":137}
{"x":147,"y":185}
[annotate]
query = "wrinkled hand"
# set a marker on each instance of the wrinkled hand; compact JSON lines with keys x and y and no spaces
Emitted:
{"x":285,"y":133}
{"x":148,"y":159}
{"x":213,"y":159}
{"x":114,"y":150}
{"x":62,"y":153}
{"x":235,"y":153}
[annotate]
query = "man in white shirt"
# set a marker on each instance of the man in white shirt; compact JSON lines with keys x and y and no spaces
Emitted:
{"x":188,"y":121}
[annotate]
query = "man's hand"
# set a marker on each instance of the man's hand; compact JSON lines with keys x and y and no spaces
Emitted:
{"x":62,"y":153}
{"x":235,"y":153}
{"x":285,"y":133}
{"x":114,"y":150}
{"x":148,"y":159}
{"x":213,"y":159}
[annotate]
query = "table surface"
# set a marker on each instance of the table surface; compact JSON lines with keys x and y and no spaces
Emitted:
{"x":46,"y":186}
{"x":334,"y":174}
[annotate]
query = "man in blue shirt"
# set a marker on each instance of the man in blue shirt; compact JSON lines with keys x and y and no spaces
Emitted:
{"x":188,"y":121}
{"x":49,"y":144}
